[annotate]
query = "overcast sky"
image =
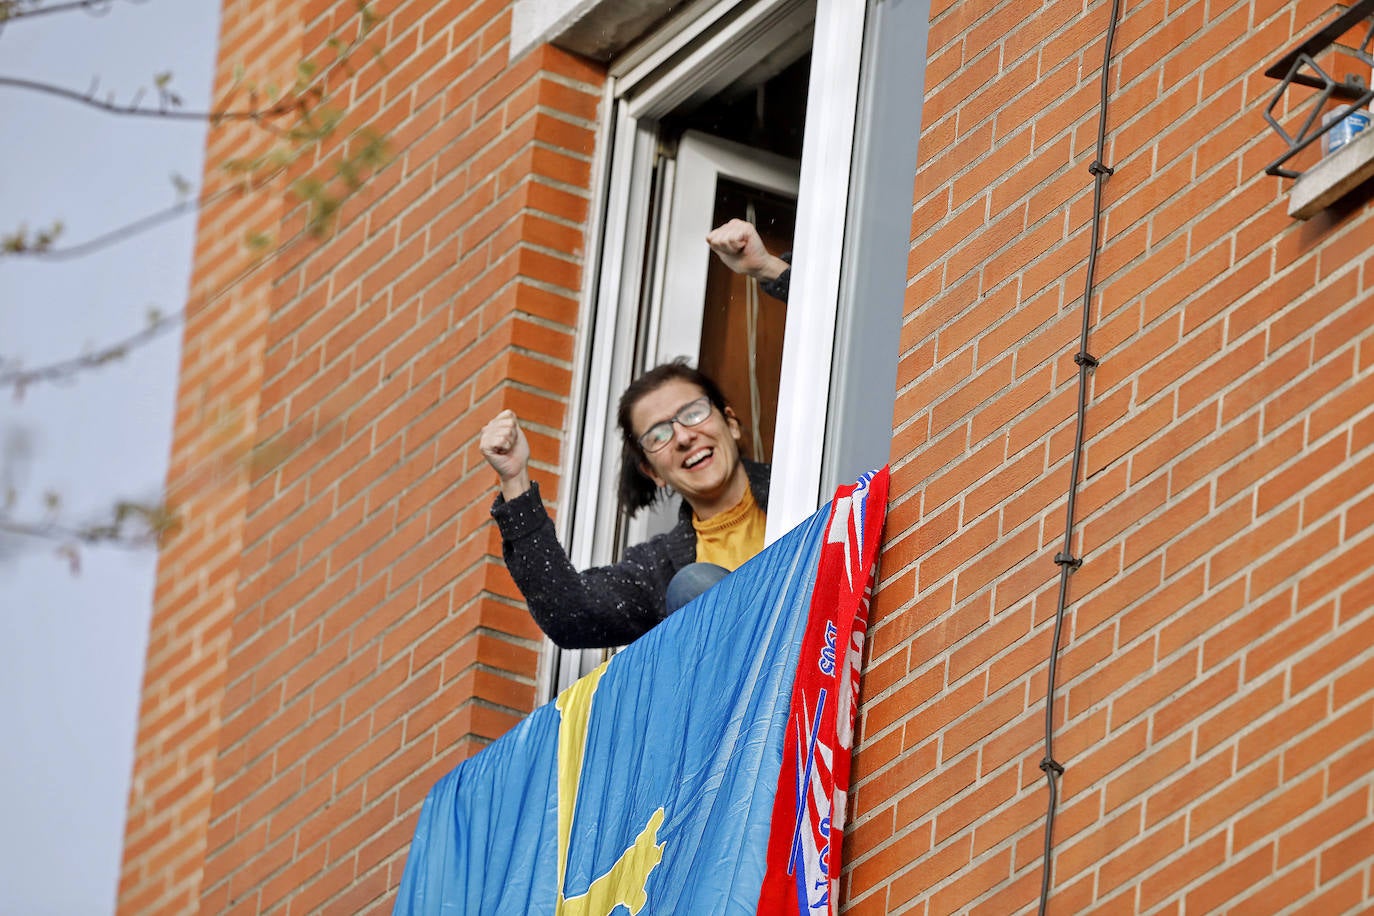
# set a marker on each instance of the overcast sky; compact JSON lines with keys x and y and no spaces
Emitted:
{"x":71,"y":645}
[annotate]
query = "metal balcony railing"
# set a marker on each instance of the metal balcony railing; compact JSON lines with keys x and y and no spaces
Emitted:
{"x":1299,"y":66}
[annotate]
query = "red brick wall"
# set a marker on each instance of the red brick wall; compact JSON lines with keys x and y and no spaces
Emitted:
{"x":215,"y":428}
{"x":365,"y":636}
{"x":1215,"y":708}
{"x":333,"y":628}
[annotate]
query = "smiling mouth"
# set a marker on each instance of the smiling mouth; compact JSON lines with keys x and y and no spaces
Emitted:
{"x":697,"y":458}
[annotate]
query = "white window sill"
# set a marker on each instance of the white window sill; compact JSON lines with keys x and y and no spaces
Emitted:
{"x":598,"y":29}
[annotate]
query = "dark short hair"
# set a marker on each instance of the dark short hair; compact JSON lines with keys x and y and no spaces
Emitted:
{"x":637,"y":490}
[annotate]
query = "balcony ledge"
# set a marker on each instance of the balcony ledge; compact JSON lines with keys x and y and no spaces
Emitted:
{"x":1329,"y":180}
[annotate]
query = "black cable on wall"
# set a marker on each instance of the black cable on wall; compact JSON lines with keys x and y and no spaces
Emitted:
{"x":1065,"y":559}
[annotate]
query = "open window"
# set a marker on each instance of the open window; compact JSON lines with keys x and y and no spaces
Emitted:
{"x":753,"y":109}
{"x":700,"y":309}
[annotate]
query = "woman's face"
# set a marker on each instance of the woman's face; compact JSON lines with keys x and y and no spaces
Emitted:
{"x":701,"y":462}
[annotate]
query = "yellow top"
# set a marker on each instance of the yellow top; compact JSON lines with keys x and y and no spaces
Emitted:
{"x":733,"y":536}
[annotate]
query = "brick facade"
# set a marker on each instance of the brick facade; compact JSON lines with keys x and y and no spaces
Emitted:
{"x":1215,"y":708}
{"x":353,"y":633}
{"x":215,"y":429}
{"x":334,"y":629}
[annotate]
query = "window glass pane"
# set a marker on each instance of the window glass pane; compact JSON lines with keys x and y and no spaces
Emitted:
{"x":742,"y":326}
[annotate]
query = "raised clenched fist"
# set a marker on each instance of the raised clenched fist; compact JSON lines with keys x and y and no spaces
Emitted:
{"x":739,"y":247}
{"x":507,"y":450}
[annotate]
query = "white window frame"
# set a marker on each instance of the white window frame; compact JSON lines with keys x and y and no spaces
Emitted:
{"x":822,"y":211}
{"x":647,"y":83}
{"x":677,"y":299}
{"x":669,"y":67}
{"x":701,"y":162}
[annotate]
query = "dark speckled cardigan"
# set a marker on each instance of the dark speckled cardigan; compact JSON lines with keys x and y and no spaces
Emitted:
{"x":606,"y":605}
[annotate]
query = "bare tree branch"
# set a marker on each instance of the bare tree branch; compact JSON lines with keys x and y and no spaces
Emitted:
{"x":166,"y":109}
{"x":105,"y":535}
{"x":17,"y":245}
{"x":65,"y":369}
{"x":19,"y":379}
{"x":112,"y":236}
{"x":309,"y":90}
{"x":131,"y":524}
{"x":322,"y":201}
{"x":14,"y":10}
{"x":304,"y":125}
{"x":314,"y":123}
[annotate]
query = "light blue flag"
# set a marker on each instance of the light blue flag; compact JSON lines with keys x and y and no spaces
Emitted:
{"x":670,"y":758}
